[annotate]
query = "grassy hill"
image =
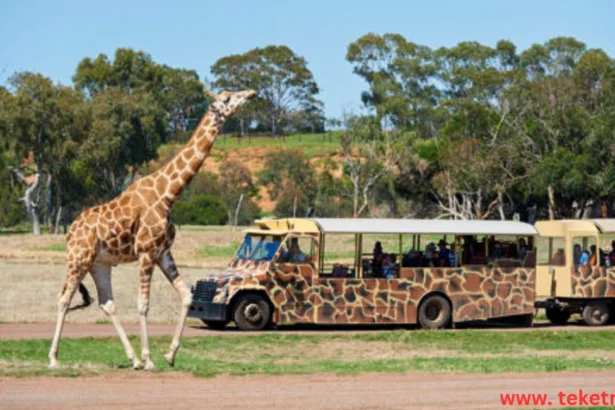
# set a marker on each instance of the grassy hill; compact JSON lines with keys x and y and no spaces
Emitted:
{"x":253,"y":150}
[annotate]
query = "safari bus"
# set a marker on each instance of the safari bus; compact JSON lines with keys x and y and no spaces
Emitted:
{"x":575,"y":270}
{"x":433,"y":273}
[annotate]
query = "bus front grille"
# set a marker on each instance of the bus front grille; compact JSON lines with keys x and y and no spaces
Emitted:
{"x":205,"y":290}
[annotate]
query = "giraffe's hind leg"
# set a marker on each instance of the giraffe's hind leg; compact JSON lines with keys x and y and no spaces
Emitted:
{"x":102,"y":278}
{"x":167,"y":264}
{"x":74,"y":276}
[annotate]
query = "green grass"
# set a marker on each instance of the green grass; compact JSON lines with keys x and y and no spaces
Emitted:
{"x":277,"y":353}
{"x":56,"y":247}
{"x":311,"y":144}
{"x":500,"y":342}
{"x":223,"y":250}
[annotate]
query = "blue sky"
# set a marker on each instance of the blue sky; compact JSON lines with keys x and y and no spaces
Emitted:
{"x":52,"y":36}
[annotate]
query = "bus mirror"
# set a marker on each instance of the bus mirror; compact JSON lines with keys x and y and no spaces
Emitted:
{"x":551,"y":271}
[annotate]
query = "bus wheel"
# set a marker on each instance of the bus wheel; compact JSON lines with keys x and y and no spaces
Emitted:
{"x":215,"y":324}
{"x":557,"y":316}
{"x":251,"y":312}
{"x":596,"y":314}
{"x":434,"y":313}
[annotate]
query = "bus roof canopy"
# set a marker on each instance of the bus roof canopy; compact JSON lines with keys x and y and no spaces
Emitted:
{"x":577,"y":227}
{"x":424,"y":226}
{"x":605,"y":225}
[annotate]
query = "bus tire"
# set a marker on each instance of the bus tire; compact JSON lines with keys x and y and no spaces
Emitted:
{"x":557,"y":316}
{"x":215,"y":324}
{"x":251,"y":312}
{"x":596,"y":314}
{"x":434,"y":312}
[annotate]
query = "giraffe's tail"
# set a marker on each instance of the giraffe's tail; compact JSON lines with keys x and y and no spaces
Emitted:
{"x":87,"y":299}
{"x":85,"y":294}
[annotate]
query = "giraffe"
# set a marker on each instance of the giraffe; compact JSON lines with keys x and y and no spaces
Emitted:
{"x":135,"y":226}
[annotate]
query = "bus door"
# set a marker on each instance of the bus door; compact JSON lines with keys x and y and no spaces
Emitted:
{"x":293,"y":277}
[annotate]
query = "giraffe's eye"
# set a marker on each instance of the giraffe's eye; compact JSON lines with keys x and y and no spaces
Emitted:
{"x":227,"y":99}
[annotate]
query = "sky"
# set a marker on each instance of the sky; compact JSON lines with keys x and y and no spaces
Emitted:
{"x":51,"y":37}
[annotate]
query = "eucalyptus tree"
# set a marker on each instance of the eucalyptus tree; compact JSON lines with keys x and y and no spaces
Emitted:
{"x":282,"y":78}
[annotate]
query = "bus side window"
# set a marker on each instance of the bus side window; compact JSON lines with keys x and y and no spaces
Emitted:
{"x":298,"y":250}
{"x":584,"y":251}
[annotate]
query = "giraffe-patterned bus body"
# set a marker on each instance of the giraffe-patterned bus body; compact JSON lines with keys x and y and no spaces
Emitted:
{"x":299,"y":294}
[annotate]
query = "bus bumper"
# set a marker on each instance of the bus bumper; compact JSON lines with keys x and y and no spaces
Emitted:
{"x":207,"y":311}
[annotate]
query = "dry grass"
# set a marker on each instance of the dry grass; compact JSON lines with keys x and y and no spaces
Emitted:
{"x":33,"y":268}
{"x":188,"y":248}
{"x":30,"y":294}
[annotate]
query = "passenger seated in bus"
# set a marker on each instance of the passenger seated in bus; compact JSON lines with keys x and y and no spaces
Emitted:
{"x":293,"y":254}
{"x":412,"y":259}
{"x":577,"y":254}
{"x":467,"y":250}
{"x":445,"y":255}
{"x":612,"y":254}
{"x":592,"y":255}
{"x":389,"y":266}
{"x":584,"y":259}
{"x":522,"y":249}
{"x":496,"y":253}
{"x":598,"y":259}
{"x":377,"y":259}
{"x":430,"y":256}
{"x":453,"y":257}
{"x":559,"y":258}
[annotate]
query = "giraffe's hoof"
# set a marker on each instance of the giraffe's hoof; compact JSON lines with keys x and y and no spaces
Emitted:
{"x":137,"y":365}
{"x":170,"y":359}
{"x":53,"y":364}
{"x":149,"y":365}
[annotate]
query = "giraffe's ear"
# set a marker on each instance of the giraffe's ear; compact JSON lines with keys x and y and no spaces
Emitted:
{"x":210,"y":95}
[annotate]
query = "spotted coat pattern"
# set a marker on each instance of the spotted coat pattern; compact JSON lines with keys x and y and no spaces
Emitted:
{"x":593,"y":282}
{"x":299,"y":296}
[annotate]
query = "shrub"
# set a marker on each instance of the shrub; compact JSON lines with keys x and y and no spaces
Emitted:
{"x":200,"y":210}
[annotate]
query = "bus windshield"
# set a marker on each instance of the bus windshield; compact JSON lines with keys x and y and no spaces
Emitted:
{"x":258,"y":247}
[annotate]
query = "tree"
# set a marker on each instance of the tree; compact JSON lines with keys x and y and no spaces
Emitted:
{"x":178,"y":92}
{"x":369,"y":154}
{"x":400,"y":76}
{"x":238,"y":189}
{"x":282,"y":79}
{"x":484,"y":121}
{"x":11,"y":210}
{"x":45,"y":130}
{"x":288,"y":174}
{"x":124,"y":132}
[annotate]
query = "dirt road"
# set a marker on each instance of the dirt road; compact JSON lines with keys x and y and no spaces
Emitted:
{"x":77,"y":330}
{"x":366,"y":391}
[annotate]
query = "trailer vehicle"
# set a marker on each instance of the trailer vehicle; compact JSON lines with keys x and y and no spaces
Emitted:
{"x":574,"y":274}
{"x":324,"y":271}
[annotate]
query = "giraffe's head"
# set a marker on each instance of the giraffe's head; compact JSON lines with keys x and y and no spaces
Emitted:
{"x":226,"y":103}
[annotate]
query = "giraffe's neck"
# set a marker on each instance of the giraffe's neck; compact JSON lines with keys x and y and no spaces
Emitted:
{"x":187,"y":162}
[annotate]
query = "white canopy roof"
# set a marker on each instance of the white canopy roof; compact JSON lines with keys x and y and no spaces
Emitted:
{"x":605,"y":225}
{"x":424,"y":226}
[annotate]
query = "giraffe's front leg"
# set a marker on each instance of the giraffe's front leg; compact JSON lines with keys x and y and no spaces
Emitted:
{"x":167,"y":264}
{"x":101,"y":274}
{"x":146,"y":267}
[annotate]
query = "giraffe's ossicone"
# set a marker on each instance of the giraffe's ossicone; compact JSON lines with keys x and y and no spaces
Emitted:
{"x":135,"y":226}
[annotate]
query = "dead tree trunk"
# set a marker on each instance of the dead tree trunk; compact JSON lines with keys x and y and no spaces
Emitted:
{"x":237,"y":211}
{"x":32,"y":205}
{"x":551,"y":193}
